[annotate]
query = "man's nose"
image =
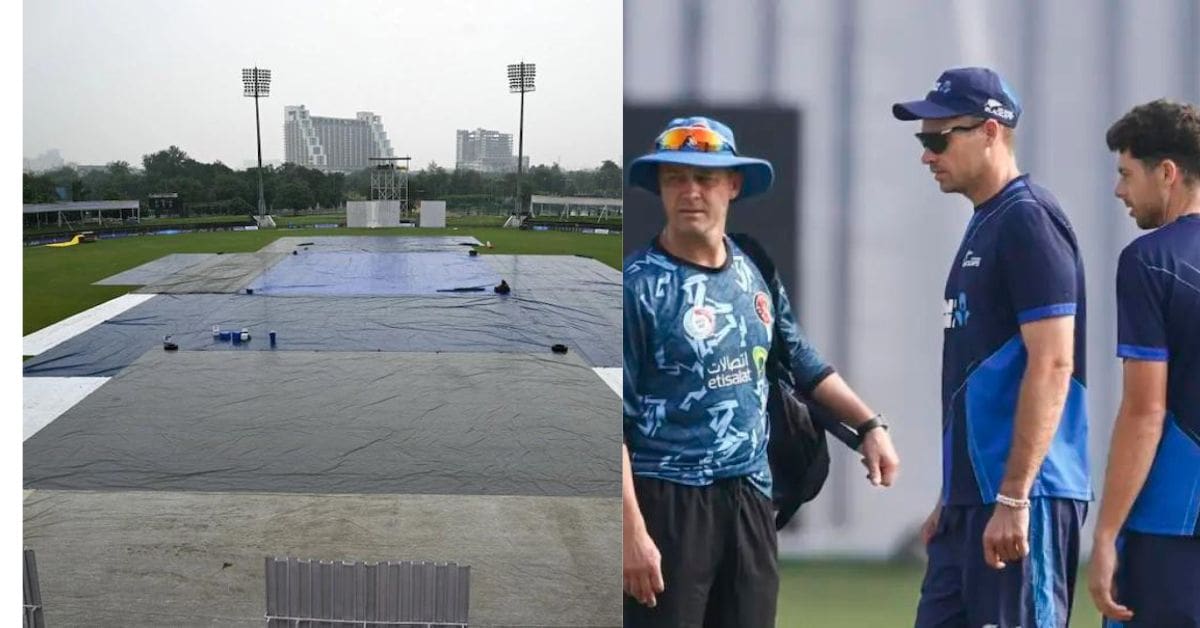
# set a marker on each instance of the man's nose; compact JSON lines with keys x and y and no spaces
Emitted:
{"x":691,"y":186}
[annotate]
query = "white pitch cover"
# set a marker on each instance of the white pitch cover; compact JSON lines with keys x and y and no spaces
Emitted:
{"x":433,"y":214}
{"x":612,"y":377}
{"x":46,"y":398}
{"x":48,"y":337}
{"x":372,"y":214}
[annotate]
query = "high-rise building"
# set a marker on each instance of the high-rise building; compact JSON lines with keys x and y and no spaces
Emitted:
{"x":49,"y":160}
{"x":333,"y":144}
{"x":486,"y":151}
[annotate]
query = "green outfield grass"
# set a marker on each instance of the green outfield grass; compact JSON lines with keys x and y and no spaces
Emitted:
{"x":851,"y":594}
{"x":57,"y":281}
{"x":284,"y":221}
{"x":452,"y":220}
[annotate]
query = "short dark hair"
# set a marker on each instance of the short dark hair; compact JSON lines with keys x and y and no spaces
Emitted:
{"x":1160,"y":130}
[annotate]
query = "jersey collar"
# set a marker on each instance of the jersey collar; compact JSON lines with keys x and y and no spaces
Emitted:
{"x":705,"y":269}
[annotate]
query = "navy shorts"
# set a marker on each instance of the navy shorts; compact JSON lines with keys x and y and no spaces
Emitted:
{"x":1158,"y":578}
{"x":961,"y":591}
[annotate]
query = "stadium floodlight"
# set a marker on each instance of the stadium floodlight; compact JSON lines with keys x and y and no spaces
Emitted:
{"x":520,"y":80}
{"x":257,"y":83}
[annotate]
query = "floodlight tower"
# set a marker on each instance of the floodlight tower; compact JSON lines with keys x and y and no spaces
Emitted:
{"x":520,"y":80}
{"x":257,"y":84}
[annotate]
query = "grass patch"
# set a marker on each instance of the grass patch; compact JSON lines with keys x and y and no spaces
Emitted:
{"x":57,"y":281}
{"x":285,"y":221}
{"x":850,"y":593}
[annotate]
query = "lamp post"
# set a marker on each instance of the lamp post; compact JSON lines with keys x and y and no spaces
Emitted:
{"x":520,"y":80}
{"x":257,"y":82}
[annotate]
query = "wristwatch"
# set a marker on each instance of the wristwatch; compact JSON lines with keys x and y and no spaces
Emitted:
{"x":870,"y":424}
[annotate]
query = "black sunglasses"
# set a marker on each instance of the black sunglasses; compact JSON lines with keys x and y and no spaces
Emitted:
{"x":938,"y":141}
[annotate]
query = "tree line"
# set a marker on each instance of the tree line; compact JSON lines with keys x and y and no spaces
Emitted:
{"x":218,"y":189}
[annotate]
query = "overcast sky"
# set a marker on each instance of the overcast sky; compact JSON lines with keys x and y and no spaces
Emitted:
{"x":114,"y":80}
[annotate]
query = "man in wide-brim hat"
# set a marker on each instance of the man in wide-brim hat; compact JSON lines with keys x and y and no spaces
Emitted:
{"x":699,"y":322}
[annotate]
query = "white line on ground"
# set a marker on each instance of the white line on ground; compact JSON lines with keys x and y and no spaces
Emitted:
{"x":46,"y":398}
{"x":611,"y":376}
{"x":48,"y":337}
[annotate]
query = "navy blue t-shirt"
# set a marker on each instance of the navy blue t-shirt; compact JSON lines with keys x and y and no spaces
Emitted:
{"x":695,"y":345}
{"x":1018,"y":262}
{"x":1158,"y":318}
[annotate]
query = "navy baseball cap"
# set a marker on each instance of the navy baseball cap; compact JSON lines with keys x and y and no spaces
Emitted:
{"x":965,"y":92}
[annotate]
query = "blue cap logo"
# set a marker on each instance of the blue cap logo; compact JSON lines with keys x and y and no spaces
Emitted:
{"x":998,"y":110}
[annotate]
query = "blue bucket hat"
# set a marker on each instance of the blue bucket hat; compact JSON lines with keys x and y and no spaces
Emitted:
{"x":757,"y":174}
{"x":965,"y":92}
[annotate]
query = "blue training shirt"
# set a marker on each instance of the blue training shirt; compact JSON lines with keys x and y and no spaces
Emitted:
{"x":1158,"y":318}
{"x":695,"y":345}
{"x":1018,"y":262}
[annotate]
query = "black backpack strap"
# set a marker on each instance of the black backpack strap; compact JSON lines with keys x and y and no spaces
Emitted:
{"x":778,"y":358}
{"x":778,"y":361}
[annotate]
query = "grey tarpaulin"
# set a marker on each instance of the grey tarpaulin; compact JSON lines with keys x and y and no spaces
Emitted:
{"x":487,"y":424}
{"x":186,"y":272}
{"x":369,"y":244}
{"x":483,"y":322}
{"x":559,"y":275}
{"x":220,"y":274}
{"x":583,"y":294}
{"x":157,"y":270}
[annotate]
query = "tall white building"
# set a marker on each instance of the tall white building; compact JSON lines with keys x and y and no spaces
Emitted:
{"x":333,"y":144}
{"x":486,"y":151}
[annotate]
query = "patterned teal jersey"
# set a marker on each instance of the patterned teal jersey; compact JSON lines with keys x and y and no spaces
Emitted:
{"x":696,"y":342}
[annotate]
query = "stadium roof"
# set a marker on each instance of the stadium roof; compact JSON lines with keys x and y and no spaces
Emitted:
{"x":79,"y":206}
{"x":574,"y":200}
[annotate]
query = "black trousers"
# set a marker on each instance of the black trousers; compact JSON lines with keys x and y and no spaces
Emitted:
{"x":718,"y":551}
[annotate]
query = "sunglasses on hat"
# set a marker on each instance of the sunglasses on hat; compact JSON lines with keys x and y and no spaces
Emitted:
{"x":692,"y":138}
{"x":938,"y":141}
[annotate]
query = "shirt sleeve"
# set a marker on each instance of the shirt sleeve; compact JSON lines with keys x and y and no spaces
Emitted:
{"x":1039,"y":265}
{"x":635,"y":337}
{"x":1141,"y":326}
{"x":808,"y":367}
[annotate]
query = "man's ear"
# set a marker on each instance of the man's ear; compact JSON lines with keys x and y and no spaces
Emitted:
{"x":736,"y":179}
{"x":1169,"y":171}
{"x":993,"y":131}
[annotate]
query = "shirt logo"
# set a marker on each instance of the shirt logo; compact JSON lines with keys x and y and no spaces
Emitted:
{"x":700,"y":322}
{"x":956,"y":314}
{"x":997,"y":108}
{"x":762,"y":307}
{"x":760,"y":359}
{"x":729,"y":372}
{"x":970,"y":260}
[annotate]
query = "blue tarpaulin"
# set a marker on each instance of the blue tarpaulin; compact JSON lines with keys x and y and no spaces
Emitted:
{"x":375,"y":274}
{"x":337,"y":298}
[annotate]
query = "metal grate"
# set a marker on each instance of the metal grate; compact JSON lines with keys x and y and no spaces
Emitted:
{"x":327,"y":594}
{"x":33,"y":594}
